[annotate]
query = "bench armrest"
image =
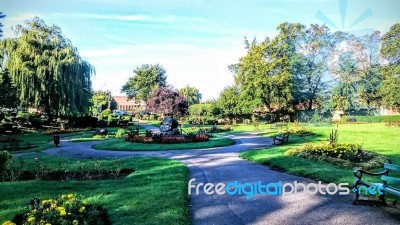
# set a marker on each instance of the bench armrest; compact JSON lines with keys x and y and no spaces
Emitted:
{"x":358,"y":173}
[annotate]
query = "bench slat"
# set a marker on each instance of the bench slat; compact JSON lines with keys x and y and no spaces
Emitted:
{"x":392,"y":167}
{"x":390,"y":180}
{"x":391,"y":191}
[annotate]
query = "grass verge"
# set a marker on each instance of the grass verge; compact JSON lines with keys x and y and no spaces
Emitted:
{"x":122,"y":145}
{"x":373,"y":137}
{"x":156,"y":193}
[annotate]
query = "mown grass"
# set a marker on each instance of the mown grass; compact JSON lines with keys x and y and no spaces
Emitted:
{"x":374,"y":137}
{"x":122,"y":145}
{"x":156,"y":193}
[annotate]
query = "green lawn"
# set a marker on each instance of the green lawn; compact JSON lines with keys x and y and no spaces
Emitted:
{"x":374,"y":137}
{"x":121,"y":144}
{"x":156,"y":193}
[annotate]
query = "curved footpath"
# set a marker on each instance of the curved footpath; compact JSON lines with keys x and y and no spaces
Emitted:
{"x":223,"y":165}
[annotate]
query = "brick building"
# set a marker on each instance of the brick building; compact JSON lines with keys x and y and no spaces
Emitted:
{"x":128,"y":105}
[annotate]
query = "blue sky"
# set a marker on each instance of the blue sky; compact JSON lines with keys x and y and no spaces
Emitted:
{"x":194,"y":40}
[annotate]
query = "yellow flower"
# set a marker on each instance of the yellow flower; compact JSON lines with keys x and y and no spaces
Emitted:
{"x":31,"y":219}
{"x":8,"y":223}
{"x":48,"y":224}
{"x":71,"y":195}
{"x":75,"y":222}
{"x":63,"y":213}
{"x":82,"y":209}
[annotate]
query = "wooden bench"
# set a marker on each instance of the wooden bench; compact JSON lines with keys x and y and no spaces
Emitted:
{"x":281,"y":138}
{"x":388,"y":184}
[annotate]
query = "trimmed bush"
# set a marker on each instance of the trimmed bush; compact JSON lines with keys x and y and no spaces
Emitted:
{"x":371,"y":119}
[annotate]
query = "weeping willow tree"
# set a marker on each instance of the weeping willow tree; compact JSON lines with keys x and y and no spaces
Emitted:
{"x":47,"y":71}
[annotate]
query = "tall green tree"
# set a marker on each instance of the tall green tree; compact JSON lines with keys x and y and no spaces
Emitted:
{"x":390,"y":51}
{"x":8,"y":98}
{"x":101,"y":100}
{"x":368,"y":89}
{"x":264,"y":73}
{"x":47,"y":70}
{"x":228,"y":102}
{"x":345,"y":91}
{"x":191,"y":94}
{"x":145,"y":80}
{"x":309,"y":65}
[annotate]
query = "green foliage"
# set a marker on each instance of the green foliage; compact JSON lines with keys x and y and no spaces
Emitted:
{"x":100,"y":101}
{"x":8,"y":93}
{"x":229,"y":101}
{"x":391,"y":118}
{"x":146,"y":79}
{"x":372,"y":119}
{"x":390,"y":52}
{"x":120,"y":133}
{"x":5,"y":160}
{"x":301,"y":131}
{"x":333,"y":137}
{"x":106,"y":112}
{"x":47,"y":70}
{"x":122,"y":145}
{"x":191,"y":94}
{"x":66,"y":209}
{"x":142,"y":186}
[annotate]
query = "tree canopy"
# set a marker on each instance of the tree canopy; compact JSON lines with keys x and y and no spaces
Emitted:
{"x":390,"y":51}
{"x":47,"y":70}
{"x":191,"y":94}
{"x":167,"y":101}
{"x":145,"y":80}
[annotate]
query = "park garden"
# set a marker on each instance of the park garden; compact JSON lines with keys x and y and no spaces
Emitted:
{"x":330,"y":101}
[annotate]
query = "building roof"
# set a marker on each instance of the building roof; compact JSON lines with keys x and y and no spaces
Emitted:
{"x":125,"y":100}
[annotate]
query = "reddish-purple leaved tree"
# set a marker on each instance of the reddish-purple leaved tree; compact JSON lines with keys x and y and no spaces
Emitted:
{"x":166,"y":101}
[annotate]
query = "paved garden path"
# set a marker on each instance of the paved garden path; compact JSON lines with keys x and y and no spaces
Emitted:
{"x":223,"y":165}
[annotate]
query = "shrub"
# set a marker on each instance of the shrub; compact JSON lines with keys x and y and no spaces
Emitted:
{"x":391,"y":118}
{"x":371,"y":119}
{"x":120,"y":133}
{"x":302,"y":131}
{"x":5,"y":160}
{"x":346,"y":155}
{"x":105,"y":113}
{"x":66,"y":209}
{"x":126,"y":118}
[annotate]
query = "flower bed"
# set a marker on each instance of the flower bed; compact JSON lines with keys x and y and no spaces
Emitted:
{"x":346,"y":155}
{"x":167,"y":139}
{"x":66,"y":209}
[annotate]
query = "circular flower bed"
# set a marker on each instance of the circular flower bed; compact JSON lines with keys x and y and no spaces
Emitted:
{"x":67,"y":209}
{"x":167,"y":139}
{"x":346,"y":155}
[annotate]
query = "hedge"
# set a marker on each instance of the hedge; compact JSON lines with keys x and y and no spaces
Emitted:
{"x":371,"y":119}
